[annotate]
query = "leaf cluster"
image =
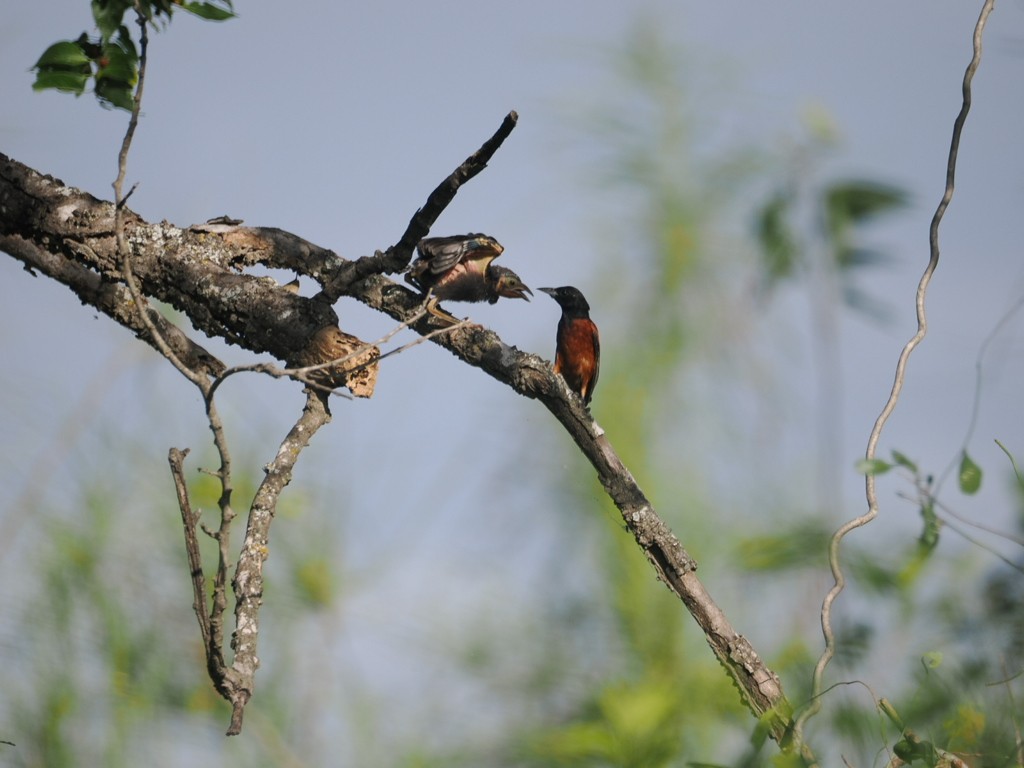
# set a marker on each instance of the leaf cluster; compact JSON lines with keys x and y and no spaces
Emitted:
{"x":110,"y":58}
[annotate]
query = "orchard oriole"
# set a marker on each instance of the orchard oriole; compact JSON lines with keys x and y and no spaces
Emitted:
{"x":577,"y":342}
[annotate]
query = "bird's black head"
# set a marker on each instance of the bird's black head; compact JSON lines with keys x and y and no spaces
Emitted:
{"x":569,"y":299}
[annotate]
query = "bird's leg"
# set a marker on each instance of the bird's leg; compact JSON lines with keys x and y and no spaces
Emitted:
{"x":431,"y":306}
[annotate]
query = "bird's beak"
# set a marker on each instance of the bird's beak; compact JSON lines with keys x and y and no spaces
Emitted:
{"x":511,"y":287}
{"x":548,"y":291}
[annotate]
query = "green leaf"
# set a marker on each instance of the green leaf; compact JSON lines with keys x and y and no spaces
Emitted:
{"x":109,"y":16}
{"x":125,"y":43}
{"x":118,"y":71}
{"x":165,"y":7}
{"x":210,"y":11}
{"x":890,"y":711}
{"x":873,"y":466}
{"x":873,"y":574}
{"x":851,"y":258}
{"x":69,"y":82}
{"x":846,"y":207}
{"x":926,"y":544}
{"x":970,"y":475}
{"x":964,"y":728}
{"x":115,"y":93}
{"x":931,"y":660}
{"x":853,"y":202}
{"x":911,"y":748}
{"x":574,"y":743}
{"x":930,"y":534}
{"x":795,"y":547}
{"x":64,"y":66}
{"x":67,"y":54}
{"x":779,"y":249}
{"x":118,"y":65}
{"x":314,"y":581}
{"x":904,"y":462}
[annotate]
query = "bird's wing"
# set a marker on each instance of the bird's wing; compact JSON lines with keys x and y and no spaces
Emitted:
{"x":597,"y":360}
{"x":443,"y":253}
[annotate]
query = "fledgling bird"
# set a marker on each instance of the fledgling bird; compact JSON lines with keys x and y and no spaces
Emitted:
{"x":460,"y":268}
{"x":577,"y":342}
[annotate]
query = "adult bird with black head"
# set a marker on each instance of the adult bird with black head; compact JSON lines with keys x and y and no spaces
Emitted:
{"x":577,"y":342}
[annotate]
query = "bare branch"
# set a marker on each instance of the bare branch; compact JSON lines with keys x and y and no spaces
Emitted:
{"x":306,"y":374}
{"x":123,"y":251}
{"x":979,"y":364}
{"x":248,"y":580}
{"x":256,"y":313}
{"x":534,"y":377}
{"x":189,"y":520}
{"x":272,"y":319}
{"x":111,"y":299}
{"x":901,"y":365}
{"x":397,"y":256}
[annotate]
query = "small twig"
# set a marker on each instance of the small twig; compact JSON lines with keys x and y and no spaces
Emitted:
{"x":876,"y":432}
{"x":215,"y":650}
{"x":189,"y":519}
{"x":302,"y":374}
{"x":133,"y":122}
{"x":1007,"y":678}
{"x":928,"y":495}
{"x":1013,"y":463}
{"x":124,"y":252}
{"x":427,"y":337}
{"x":976,"y":404}
{"x":124,"y":200}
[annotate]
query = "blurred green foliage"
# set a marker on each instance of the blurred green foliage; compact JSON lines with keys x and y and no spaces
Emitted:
{"x":615,"y":674}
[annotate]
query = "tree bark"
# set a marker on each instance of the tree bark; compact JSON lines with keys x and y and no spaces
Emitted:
{"x":68,"y":235}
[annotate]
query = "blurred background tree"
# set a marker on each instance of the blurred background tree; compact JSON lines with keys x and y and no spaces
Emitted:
{"x":720,"y":268}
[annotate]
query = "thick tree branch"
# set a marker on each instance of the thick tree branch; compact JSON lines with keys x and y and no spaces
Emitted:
{"x":70,"y":235}
{"x":197,"y":270}
{"x":533,"y":377}
{"x":112,"y":299}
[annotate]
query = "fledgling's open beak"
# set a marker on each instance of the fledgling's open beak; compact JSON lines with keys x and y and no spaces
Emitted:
{"x":520,"y":292}
{"x":511,"y":287}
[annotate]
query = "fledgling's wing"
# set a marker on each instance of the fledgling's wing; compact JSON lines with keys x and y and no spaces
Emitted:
{"x":443,"y":253}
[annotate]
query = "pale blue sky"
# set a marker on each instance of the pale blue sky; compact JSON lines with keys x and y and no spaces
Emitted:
{"x":335,"y":120}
